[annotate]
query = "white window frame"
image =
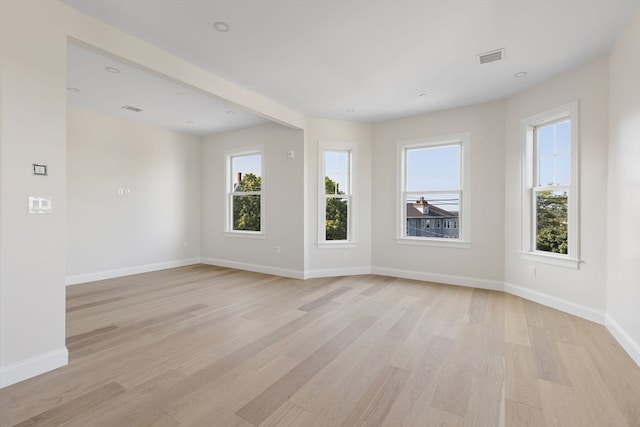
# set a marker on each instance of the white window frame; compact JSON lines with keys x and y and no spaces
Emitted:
{"x":529,"y":189}
{"x":350,"y":194}
{"x":462,"y":139}
{"x":229,"y":193}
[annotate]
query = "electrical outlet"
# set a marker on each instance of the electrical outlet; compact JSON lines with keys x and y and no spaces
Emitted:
{"x":277,"y":249}
{"x":532,"y":271}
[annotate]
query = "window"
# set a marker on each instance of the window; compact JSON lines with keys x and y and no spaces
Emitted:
{"x":434,"y":188}
{"x":245,"y":200}
{"x":336,"y":204}
{"x":550,"y":187}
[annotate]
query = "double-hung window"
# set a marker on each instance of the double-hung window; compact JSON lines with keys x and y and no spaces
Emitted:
{"x":433,"y":203}
{"x":336,"y":205}
{"x":550,"y":186}
{"x":245,"y":192}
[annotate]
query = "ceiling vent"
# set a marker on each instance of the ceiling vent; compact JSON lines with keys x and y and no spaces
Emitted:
{"x":131,"y":108}
{"x":494,"y":55}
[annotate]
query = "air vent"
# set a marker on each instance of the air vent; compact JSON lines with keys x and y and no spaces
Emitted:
{"x":494,"y":55}
{"x":131,"y":108}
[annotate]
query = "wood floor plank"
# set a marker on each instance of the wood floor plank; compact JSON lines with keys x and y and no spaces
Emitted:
{"x":260,"y":408}
{"x":376,"y":402}
{"x":75,"y":407}
{"x":195,"y":345}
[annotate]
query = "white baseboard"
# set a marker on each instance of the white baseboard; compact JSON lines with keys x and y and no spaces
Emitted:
{"x":24,"y":369}
{"x":493,"y":285}
{"x":557,"y":303}
{"x":624,"y":339}
{"x":284,"y":272}
{"x":110,"y":274}
{"x":335,"y":272}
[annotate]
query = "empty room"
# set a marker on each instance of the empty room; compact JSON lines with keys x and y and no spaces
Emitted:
{"x":320,"y":213}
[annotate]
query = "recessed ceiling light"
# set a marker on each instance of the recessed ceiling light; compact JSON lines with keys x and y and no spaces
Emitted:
{"x":520,"y":74}
{"x":423,"y":94}
{"x":180,"y":93}
{"x":73,"y":89}
{"x":221,"y":27}
{"x":231,"y":112}
{"x":113,"y":70}
{"x":350,"y":110}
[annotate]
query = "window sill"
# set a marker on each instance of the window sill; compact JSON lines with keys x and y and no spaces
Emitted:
{"x":337,"y":245}
{"x":557,"y":260}
{"x":440,"y":243}
{"x":244,"y":234}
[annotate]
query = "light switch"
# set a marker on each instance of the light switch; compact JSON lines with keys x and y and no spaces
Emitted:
{"x":39,"y":205}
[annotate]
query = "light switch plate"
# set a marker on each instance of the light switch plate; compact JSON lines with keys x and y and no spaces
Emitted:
{"x":39,"y":205}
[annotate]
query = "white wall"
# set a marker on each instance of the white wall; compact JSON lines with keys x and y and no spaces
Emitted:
{"x":110,"y":235}
{"x":33,"y":117}
{"x":582,"y":290}
{"x":482,"y":263}
{"x":623,"y":213}
{"x":283,"y":180}
{"x":341,"y":260}
{"x":33,"y":40}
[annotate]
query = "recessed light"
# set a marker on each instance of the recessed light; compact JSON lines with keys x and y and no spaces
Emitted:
{"x":113,"y":70}
{"x":180,"y":93}
{"x":73,"y":89}
{"x":350,"y":110}
{"x":422,"y":94}
{"x":221,"y":27}
{"x":231,"y":112}
{"x":520,"y":74}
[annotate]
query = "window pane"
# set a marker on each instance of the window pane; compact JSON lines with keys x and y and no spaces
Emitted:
{"x":246,"y":172}
{"x":433,"y":215}
{"x":551,"y":221}
{"x":545,"y":171}
{"x":336,"y":211}
{"x":336,"y":170}
{"x":246,"y":213}
{"x":563,"y":131}
{"x":545,"y":141}
{"x":436,"y":168}
{"x":562,"y":170}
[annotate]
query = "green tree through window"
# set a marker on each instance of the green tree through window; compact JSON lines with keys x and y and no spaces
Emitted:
{"x":246,"y":208}
{"x":552,"y":221}
{"x":336,"y":212}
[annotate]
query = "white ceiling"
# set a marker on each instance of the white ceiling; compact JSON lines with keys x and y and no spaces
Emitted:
{"x":348,"y":59}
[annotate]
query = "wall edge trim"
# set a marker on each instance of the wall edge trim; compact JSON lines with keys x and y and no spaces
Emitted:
{"x":566,"y":306}
{"x":257,"y":268}
{"x":493,"y":285}
{"x":33,"y":366}
{"x":128,"y":271}
{"x":623,"y":338}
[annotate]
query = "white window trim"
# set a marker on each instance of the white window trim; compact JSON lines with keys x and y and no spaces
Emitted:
{"x":228,"y":187}
{"x":464,"y":240}
{"x":527,"y":126}
{"x":352,"y":242}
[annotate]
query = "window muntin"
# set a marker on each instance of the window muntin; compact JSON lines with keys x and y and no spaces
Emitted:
{"x":432,"y":188}
{"x":245,"y":202}
{"x":550,"y":199}
{"x":335,"y":220}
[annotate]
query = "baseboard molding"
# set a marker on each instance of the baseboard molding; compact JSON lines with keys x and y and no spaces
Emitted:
{"x":25,"y":369}
{"x":276,"y":271}
{"x":335,"y":272}
{"x":557,"y":303}
{"x":624,"y":339}
{"x":110,"y":274}
{"x":493,"y":285}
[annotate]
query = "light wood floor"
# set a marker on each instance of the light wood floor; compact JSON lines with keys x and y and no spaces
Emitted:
{"x":209,"y":346}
